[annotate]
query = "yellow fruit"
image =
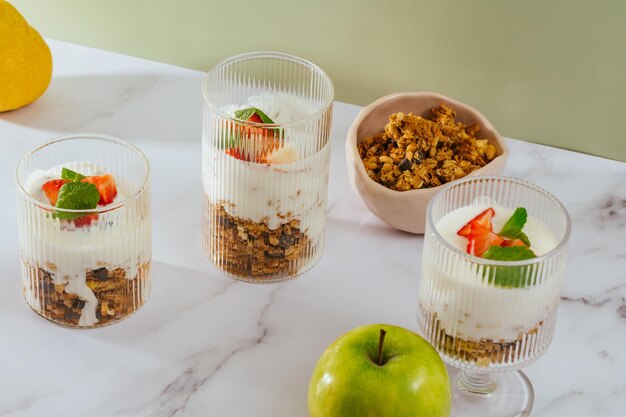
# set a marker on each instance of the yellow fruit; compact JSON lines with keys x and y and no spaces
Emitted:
{"x":25,"y":60}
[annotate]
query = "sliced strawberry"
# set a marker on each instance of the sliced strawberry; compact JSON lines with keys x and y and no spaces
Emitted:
{"x":512,"y":242}
{"x":481,"y":238}
{"x":51,"y":189}
{"x":106,"y":187}
{"x":235,"y":153}
{"x":264,"y":141}
{"x":484,"y":219}
{"x":85,"y":220}
{"x":255,"y":118}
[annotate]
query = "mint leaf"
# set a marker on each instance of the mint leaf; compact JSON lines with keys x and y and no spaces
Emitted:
{"x":512,"y":229}
{"x":510,"y":276}
{"x":76,"y":196}
{"x":68,"y":174}
{"x":245,"y":114}
{"x":509,"y":253}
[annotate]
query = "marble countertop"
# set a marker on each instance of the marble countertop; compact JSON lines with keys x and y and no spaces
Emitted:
{"x":205,"y":344}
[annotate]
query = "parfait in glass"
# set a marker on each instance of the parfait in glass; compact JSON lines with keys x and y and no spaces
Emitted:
{"x":84,"y":229}
{"x":492,"y":271}
{"x":265,"y":162}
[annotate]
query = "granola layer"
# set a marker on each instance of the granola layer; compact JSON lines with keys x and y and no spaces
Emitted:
{"x":117,"y":295}
{"x":250,"y":249}
{"x":483,"y":352}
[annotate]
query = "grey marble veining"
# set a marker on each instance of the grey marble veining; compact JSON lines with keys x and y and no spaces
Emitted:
{"x":205,"y":344}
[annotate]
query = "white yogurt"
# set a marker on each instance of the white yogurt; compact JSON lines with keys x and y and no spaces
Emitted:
{"x":275,"y":194}
{"x":119,"y":239}
{"x":470,"y":308}
{"x":280,"y":107}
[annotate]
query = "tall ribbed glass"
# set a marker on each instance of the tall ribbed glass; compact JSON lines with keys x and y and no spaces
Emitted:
{"x":85,"y":268}
{"x":485,"y":316}
{"x":265,"y":183}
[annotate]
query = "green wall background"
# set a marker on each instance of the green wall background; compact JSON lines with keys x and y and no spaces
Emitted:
{"x":552,"y":72}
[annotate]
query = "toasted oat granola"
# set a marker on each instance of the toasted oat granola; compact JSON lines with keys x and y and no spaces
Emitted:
{"x":117,"y":295}
{"x":482,"y":352}
{"x":252,"y":249}
{"x":414,"y":152}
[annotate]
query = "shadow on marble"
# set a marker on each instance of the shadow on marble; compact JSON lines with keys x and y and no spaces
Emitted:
{"x":129,"y":106}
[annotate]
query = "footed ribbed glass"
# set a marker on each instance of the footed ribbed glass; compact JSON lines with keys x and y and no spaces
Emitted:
{"x":488,"y":317}
{"x":85,"y":268}
{"x":265,"y":179}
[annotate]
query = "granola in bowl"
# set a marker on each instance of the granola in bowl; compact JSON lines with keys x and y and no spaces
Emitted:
{"x":396,"y":164}
{"x":415,"y":152}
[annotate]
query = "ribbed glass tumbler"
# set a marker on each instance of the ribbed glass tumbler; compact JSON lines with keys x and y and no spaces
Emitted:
{"x":491,"y":317}
{"x":265,"y":161}
{"x":84,"y":267}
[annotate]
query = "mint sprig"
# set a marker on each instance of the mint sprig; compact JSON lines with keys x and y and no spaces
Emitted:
{"x":77,"y":196}
{"x":513,"y":276}
{"x":512,"y":229}
{"x":509,"y":253}
{"x":69,"y":175}
{"x":510,"y":276}
{"x":245,"y":114}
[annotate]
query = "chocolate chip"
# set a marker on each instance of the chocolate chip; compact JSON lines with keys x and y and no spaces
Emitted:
{"x":286,"y":241}
{"x":101,"y":274}
{"x":405,"y":164}
{"x":275,"y":255}
{"x":78,"y":303}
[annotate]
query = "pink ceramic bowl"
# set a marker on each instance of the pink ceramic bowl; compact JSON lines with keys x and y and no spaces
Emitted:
{"x":406,"y":210}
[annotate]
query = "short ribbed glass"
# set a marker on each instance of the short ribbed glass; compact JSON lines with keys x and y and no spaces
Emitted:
{"x":265,"y":184}
{"x":85,"y":268}
{"x":485,"y":316}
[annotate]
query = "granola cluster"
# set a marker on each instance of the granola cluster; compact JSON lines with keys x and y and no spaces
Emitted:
{"x":251,"y":249}
{"x":117,"y":296}
{"x":414,"y":152}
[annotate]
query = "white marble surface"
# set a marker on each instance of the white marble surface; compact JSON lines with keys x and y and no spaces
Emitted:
{"x":207,"y":345}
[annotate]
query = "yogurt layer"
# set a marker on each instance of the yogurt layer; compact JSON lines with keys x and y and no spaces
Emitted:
{"x":117,"y":240}
{"x":275,"y":194}
{"x":470,"y":308}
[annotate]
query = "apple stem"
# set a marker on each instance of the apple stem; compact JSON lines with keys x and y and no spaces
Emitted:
{"x":381,"y":340}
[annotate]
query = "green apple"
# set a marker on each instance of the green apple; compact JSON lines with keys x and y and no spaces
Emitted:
{"x":379,"y":370}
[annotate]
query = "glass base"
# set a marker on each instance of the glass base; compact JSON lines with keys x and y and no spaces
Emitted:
{"x":508,"y":394}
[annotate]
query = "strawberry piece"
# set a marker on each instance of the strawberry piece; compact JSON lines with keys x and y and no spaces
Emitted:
{"x":235,"y":153}
{"x":512,"y":242}
{"x":106,"y":187}
{"x":264,"y":144}
{"x":481,"y":238}
{"x":85,"y":220}
{"x":255,"y":118}
{"x":484,"y":219}
{"x":51,"y":189}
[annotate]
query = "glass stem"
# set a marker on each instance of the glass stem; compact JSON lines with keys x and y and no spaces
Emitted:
{"x":477,"y":382}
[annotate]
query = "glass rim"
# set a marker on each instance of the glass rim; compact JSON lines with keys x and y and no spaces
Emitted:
{"x":490,"y":262}
{"x":267,"y":54}
{"x":75,"y":136}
